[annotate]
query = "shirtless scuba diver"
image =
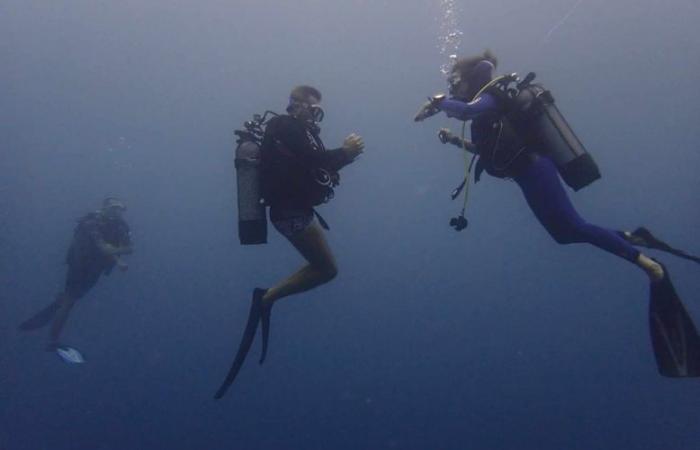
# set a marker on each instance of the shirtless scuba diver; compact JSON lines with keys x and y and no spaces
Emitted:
{"x":518,"y":133}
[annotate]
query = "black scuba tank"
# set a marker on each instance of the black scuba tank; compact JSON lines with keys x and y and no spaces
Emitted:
{"x":252,"y":217}
{"x":550,"y":131}
{"x":252,"y":220}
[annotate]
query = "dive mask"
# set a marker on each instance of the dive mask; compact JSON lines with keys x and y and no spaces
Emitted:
{"x":308,"y":111}
{"x":112,"y":203}
{"x":114,"y":209}
{"x":317,"y":113}
{"x":453,"y":81}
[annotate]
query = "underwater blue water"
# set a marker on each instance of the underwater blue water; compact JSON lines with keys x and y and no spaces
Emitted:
{"x":493,"y":338}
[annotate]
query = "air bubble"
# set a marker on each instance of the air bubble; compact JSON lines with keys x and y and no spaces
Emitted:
{"x":450,"y":35}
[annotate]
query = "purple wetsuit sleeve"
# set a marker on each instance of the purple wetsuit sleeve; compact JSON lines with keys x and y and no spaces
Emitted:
{"x":467,"y":111}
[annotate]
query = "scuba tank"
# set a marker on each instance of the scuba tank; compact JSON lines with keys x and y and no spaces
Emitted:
{"x":539,"y":120}
{"x":533,"y":115}
{"x":252,"y":217}
{"x":529,"y":122}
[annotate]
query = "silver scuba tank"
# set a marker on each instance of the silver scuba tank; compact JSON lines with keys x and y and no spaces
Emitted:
{"x":551,"y":132}
{"x":252,"y":220}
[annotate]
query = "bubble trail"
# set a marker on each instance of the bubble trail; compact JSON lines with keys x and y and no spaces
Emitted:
{"x":450,"y":35}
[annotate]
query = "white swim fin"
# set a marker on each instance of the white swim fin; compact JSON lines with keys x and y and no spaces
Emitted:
{"x":70,"y":355}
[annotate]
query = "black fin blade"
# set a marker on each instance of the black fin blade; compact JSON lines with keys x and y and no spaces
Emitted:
{"x":266,"y":312}
{"x":42,"y":318}
{"x":642,"y":237}
{"x":674,"y":338}
{"x":246,"y":342}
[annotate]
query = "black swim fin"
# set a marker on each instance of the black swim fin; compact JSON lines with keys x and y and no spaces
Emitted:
{"x":642,"y":237}
{"x":42,"y":318}
{"x":265,"y":313}
{"x":674,"y":338}
{"x":251,"y":327}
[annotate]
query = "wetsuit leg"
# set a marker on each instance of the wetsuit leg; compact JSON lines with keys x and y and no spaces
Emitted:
{"x":550,"y":203}
{"x":43,"y":317}
{"x":81,"y":277}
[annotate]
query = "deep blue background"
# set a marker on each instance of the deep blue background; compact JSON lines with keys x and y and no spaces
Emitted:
{"x":494,"y":338}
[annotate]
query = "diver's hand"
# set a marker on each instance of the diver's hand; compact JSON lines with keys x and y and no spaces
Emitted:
{"x":429,"y":108}
{"x":445,"y":135}
{"x":353,"y":146}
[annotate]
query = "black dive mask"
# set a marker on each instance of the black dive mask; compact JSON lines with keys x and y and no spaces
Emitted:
{"x":317,"y":113}
{"x":306,"y":111}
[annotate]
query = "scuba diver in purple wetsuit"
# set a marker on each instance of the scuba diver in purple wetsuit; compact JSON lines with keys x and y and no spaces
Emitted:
{"x":518,"y":133}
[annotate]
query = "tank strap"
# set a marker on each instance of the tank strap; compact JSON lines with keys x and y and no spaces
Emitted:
{"x":494,"y":83}
{"x":321,"y":220}
{"x":478,"y":170}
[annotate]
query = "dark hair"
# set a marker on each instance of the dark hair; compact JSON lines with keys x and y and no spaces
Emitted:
{"x":464,"y":66}
{"x":302,"y":93}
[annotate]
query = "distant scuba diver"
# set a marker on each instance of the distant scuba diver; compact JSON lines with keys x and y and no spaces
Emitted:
{"x":518,"y":133}
{"x":99,"y":241}
{"x":282,"y":163}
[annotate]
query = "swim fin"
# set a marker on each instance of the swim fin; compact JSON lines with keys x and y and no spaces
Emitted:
{"x":265,"y":313}
{"x":42,"y":318}
{"x":674,"y":338}
{"x":70,"y":355}
{"x":642,"y":237}
{"x":251,"y":327}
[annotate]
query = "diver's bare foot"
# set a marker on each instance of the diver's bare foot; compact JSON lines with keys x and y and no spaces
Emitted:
{"x":268,"y":298}
{"x":651,"y":267}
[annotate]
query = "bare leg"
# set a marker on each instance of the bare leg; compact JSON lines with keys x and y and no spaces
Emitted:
{"x":67,"y":303}
{"x":321,"y":267}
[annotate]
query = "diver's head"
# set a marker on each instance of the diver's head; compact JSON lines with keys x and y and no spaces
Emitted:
{"x":113,"y":207}
{"x":304,"y":104}
{"x":468,"y":75}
